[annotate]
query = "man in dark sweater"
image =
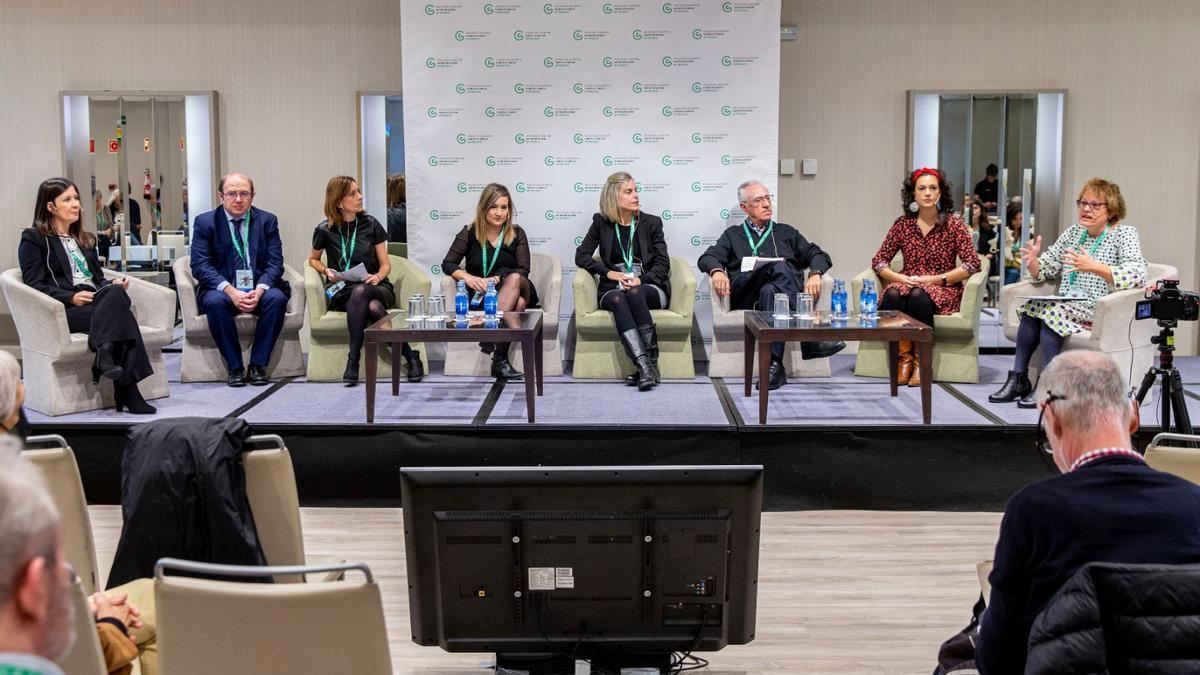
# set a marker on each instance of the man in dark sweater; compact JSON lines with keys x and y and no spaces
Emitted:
{"x":729,"y":265}
{"x":1107,"y":506}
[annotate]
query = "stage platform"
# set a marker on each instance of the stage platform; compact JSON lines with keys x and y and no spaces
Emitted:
{"x":829,"y":443}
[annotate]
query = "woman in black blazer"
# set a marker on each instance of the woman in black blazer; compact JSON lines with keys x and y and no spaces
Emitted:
{"x":59,"y":259}
{"x":634,"y":271}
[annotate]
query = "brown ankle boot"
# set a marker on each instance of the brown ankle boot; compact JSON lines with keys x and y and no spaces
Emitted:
{"x":915,"y":380}
{"x":904,"y":369}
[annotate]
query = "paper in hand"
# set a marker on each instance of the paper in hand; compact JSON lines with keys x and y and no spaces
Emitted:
{"x":751,"y":263}
{"x":355,"y":274}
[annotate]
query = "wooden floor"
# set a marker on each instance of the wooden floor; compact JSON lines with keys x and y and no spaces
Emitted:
{"x":839,"y":591}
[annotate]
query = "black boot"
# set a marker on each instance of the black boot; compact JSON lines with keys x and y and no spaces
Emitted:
{"x":502,"y":369}
{"x":104,"y":366}
{"x":416,"y":371}
{"x":487,"y":347}
{"x":650,"y":340}
{"x":777,"y":376}
{"x":128,"y":396}
{"x":1016,"y":386}
{"x":820,"y":350}
{"x":350,"y":375}
{"x":641,"y":360}
{"x":1029,"y":401}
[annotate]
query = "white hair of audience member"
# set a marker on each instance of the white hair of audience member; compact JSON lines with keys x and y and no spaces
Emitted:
{"x":1088,"y":391}
{"x":10,"y":376}
{"x":743,"y":187}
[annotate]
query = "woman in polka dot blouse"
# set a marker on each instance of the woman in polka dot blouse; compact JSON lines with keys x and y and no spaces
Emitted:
{"x":1091,"y":259}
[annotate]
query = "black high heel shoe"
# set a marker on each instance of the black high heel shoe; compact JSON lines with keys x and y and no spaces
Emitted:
{"x":350,"y":375}
{"x":416,"y":370}
{"x":128,"y":396}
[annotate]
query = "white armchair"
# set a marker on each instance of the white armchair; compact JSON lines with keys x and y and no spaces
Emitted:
{"x":1114,"y":331}
{"x":57,"y":362}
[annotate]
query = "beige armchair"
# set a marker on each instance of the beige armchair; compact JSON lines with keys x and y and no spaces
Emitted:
{"x":1113,"y":332}
{"x":56,"y":363}
{"x":202,"y":360}
{"x":728,"y":355}
{"x":545,"y":272}
{"x":955,"y":336}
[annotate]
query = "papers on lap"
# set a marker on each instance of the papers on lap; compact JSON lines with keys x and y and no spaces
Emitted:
{"x":751,"y":263}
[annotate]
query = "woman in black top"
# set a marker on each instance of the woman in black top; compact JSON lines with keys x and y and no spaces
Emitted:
{"x":634,"y":271}
{"x":349,"y":237}
{"x":507,"y":267}
{"x":397,"y":212}
{"x":58,"y":257}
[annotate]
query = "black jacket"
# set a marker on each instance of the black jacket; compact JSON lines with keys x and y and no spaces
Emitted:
{"x":785,"y":242}
{"x":1112,"y":618}
{"x":651,"y":250}
{"x":46,"y":266}
{"x":183,"y":495}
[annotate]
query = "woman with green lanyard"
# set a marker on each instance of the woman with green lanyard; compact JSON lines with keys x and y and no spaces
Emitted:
{"x":349,"y":238}
{"x":58,"y":257}
{"x":494,"y":249}
{"x":1091,"y":259}
{"x":634,"y":270}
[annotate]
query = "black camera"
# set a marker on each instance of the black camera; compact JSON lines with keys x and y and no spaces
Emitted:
{"x":1166,"y":302}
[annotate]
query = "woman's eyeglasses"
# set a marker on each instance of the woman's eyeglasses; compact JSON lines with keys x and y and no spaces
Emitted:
{"x":1084,"y":205}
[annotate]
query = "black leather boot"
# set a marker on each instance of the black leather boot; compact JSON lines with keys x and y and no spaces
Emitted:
{"x":1016,"y":386}
{"x":632,"y":342}
{"x":650,"y":341}
{"x":1029,"y":401}
{"x":777,"y":376}
{"x":128,"y":396}
{"x":416,"y":371}
{"x":502,"y":368}
{"x":104,"y":366}
{"x":487,"y":347}
{"x":350,"y":375}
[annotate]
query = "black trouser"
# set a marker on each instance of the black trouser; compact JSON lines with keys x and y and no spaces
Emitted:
{"x":109,"y":320}
{"x":631,"y":308}
{"x":757,"y":289}
{"x":916,"y":304}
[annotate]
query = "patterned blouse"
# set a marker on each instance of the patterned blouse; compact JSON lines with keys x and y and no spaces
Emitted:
{"x":1119,"y":247}
{"x":933,"y":254}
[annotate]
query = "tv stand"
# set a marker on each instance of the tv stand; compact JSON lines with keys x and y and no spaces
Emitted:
{"x":561,"y":664}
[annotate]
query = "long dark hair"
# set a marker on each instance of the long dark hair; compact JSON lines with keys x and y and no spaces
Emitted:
{"x":43,"y":221}
{"x":908,"y":194}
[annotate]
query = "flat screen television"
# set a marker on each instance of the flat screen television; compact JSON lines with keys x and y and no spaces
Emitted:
{"x":619,"y":566}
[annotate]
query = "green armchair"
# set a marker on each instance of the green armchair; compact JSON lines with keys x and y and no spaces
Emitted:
{"x":329,"y":341}
{"x":598,"y":351}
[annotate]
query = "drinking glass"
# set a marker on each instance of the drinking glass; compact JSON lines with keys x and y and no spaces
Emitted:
{"x":782,"y":310}
{"x":804,"y":306}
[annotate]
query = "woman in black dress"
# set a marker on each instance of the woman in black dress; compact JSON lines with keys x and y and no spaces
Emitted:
{"x":348,"y":238}
{"x":504,"y":261}
{"x":634,"y":270}
{"x":58,"y":257}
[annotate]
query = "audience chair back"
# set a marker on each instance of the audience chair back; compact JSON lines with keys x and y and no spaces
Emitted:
{"x":229,"y":627}
{"x":56,"y":463}
{"x":1181,"y":461}
{"x":271,"y":491}
{"x":86,"y":656}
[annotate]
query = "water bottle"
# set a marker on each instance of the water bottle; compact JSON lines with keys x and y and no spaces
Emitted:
{"x":489,"y":305}
{"x":871,"y":309}
{"x":864,"y":296}
{"x":838,"y":300}
{"x":460,"y":305}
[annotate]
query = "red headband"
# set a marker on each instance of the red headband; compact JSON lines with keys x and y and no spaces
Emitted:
{"x":926,"y":171}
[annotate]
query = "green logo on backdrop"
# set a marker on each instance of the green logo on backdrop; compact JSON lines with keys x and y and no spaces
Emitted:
{"x":429,"y":10}
{"x":697,"y":34}
{"x":548,"y":62}
{"x":520,"y":187}
{"x":434,"y":215}
{"x":578,"y":138}
{"x":519,"y":138}
{"x":489,"y":111}
{"x":462,"y":187}
{"x":724,"y":214}
{"x":432,"y":112}
{"x":578,"y":35}
{"x":667,"y":61}
{"x":488,"y":8}
{"x":461,"y":138}
{"x":549,"y":214}
{"x":666,"y":8}
{"x":608,"y":8}
{"x":489,"y":62}
{"x":666,"y":111}
{"x":607,"y":62}
{"x":697,"y":138}
{"x":727,"y":7}
{"x":460,"y":88}
{"x":666,"y":160}
{"x":608,"y":111}
{"x":433,"y":160}
{"x":726,"y":160}
{"x":637,"y":87}
{"x":608,"y":160}
{"x":637,"y":34}
{"x":578,"y":88}
{"x":548,"y":111}
{"x":697,"y":88}
{"x":549,"y":160}
{"x":548,"y":8}
{"x":726,"y":110}
{"x":436,"y":269}
{"x":696,"y":240}
{"x":726,"y":61}
{"x":519,"y":88}
{"x":637,"y":138}
{"x":578,"y":187}
{"x":459,"y":35}
{"x":578,"y":240}
{"x":518,"y":35}
{"x":490,"y":160}
{"x":431,"y":62}
{"x":666,"y":215}
{"x":695,"y":186}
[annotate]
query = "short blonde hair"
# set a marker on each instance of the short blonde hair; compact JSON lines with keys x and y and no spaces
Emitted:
{"x":609,"y":207}
{"x":1112,"y":197}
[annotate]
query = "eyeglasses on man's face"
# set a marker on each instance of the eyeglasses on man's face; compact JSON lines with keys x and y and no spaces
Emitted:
{"x":1085,"y":205}
{"x":1042,"y":440}
{"x":760,"y":200}
{"x":242,"y":194}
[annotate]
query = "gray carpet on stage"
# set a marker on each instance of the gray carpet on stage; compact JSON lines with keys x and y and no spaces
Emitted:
{"x":603,"y":403}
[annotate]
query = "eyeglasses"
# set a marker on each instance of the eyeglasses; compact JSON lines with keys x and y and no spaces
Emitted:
{"x":1042,"y":441}
{"x":760,"y":200}
{"x":238,"y":195}
{"x":1084,"y":205}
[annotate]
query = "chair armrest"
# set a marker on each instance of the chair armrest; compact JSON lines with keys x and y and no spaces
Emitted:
{"x":153,"y":305}
{"x":1113,"y":326}
{"x":856,"y":284}
{"x":186,"y":286}
{"x":40,"y":319}
{"x":412,"y":281}
{"x":584,"y":288}
{"x":296,"y":301}
{"x":683,"y":288}
{"x":553,"y":295}
{"x":449,"y":288}
{"x":314,"y":294}
{"x":972,"y":299}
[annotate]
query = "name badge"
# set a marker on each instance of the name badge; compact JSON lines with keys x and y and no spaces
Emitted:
{"x":244,"y":280}
{"x":748,"y":263}
{"x":477,"y":299}
{"x":333,"y":290}
{"x":636,"y":271}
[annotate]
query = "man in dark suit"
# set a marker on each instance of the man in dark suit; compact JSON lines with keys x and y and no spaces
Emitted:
{"x":760,"y":236}
{"x":1107,"y":506}
{"x":237,"y":261}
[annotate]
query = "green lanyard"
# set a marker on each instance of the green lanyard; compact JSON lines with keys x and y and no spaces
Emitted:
{"x":244,"y":250}
{"x":1091,"y":253}
{"x":766,"y":233}
{"x":487,"y":266}
{"x":80,"y":264}
{"x":346,"y":257}
{"x":627,"y":256}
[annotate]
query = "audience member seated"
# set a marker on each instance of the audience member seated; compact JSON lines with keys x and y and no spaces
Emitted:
{"x":634,"y":270}
{"x":397,"y":208}
{"x":237,"y":261}
{"x":1014,"y":220}
{"x":1091,"y":259}
{"x":931,"y":236}
{"x":1107,"y":506}
{"x":12,"y":398}
{"x":755,"y":287}
{"x":348,"y":237}
{"x":502,"y":260}
{"x":58,"y":257}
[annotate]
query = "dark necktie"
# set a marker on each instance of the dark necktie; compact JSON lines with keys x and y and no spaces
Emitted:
{"x":237,"y":232}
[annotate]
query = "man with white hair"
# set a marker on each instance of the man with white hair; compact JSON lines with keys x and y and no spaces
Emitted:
{"x":35,"y":609}
{"x":1107,"y":506}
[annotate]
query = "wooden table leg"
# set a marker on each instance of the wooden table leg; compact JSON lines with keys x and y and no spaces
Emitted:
{"x":893,"y":355}
{"x":749,"y":365}
{"x":764,"y":384}
{"x":538,"y":347}
{"x":926,"y":381}
{"x":372,"y":374}
{"x":530,"y":386}
{"x":395,"y":368}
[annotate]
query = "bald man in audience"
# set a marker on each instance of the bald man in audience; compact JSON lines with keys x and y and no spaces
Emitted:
{"x":1107,"y":506}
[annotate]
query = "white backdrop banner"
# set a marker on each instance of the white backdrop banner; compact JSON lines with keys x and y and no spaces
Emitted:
{"x":550,"y":98}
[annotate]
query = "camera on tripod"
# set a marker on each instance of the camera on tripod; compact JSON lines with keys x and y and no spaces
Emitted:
{"x":1165,"y":302}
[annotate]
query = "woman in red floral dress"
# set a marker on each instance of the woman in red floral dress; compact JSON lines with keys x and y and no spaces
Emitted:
{"x":932,"y":239}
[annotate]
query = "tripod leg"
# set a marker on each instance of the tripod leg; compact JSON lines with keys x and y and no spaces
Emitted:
{"x":1167,"y":397}
{"x":1147,"y":383}
{"x":1183,"y":421}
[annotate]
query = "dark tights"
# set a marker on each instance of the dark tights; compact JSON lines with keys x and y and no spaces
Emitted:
{"x":1032,"y":333}
{"x":916,"y":304}
{"x":631,"y":308}
{"x":363,"y":308}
